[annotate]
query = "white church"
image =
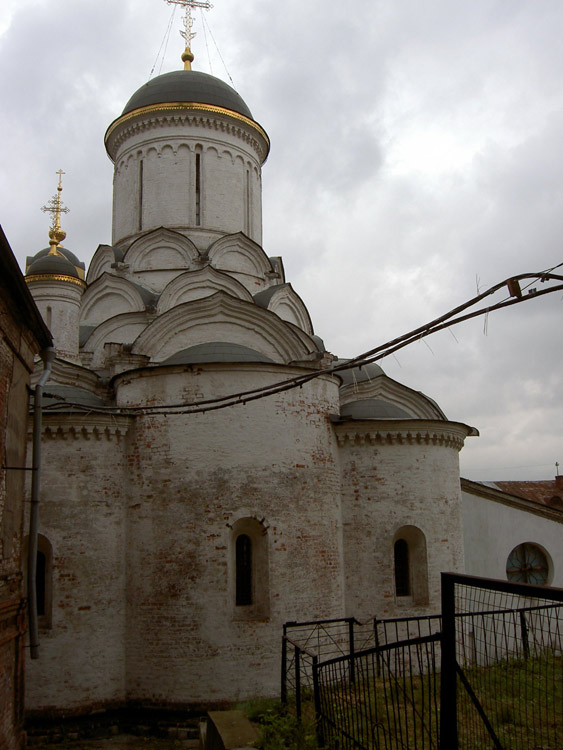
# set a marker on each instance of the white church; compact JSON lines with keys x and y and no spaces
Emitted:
{"x":176,"y":537}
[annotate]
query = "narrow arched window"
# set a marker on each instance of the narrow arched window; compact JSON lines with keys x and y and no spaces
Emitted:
{"x":402,"y":571}
{"x":43,"y":579}
{"x":411,"y":566}
{"x":243,"y":564}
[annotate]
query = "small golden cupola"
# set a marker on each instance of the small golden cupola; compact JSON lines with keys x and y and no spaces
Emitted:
{"x":55,"y":261}
{"x":55,"y":277}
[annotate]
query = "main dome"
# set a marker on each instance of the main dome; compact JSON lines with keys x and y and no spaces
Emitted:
{"x":187,"y":86}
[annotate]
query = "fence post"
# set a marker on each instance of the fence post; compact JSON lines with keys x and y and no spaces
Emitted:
{"x":448,"y":678}
{"x":524,"y":634}
{"x":317,"y":695}
{"x":298,"y":683}
{"x":351,"y":647}
{"x":377,"y":654}
{"x":284,"y":668}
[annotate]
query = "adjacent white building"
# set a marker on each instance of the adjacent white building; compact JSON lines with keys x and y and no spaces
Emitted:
{"x":514,"y":530}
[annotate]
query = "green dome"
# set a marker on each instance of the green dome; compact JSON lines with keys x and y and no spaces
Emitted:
{"x":64,"y":263}
{"x":187,"y":86}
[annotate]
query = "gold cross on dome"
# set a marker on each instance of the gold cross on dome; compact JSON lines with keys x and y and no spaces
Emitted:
{"x":55,"y":207}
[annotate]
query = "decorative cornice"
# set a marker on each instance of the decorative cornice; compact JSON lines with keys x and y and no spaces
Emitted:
{"x":95,"y":427}
{"x":55,"y":277}
{"x":451,"y":436}
{"x":183,"y":118}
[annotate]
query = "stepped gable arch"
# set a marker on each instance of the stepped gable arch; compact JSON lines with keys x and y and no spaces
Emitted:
{"x":193,"y":285}
{"x":284,"y":301}
{"x":238,"y":254}
{"x":107,"y":297}
{"x":222,"y":318}
{"x":162,"y":249}
{"x":104,"y":258}
{"x":121,"y":329}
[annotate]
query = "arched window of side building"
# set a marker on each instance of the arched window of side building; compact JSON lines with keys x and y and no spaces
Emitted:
{"x":529,"y":563}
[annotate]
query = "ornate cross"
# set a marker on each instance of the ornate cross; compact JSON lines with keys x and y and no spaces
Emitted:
{"x":55,"y":207}
{"x":188,"y":34}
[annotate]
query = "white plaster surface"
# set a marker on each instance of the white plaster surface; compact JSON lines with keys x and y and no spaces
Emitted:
{"x":492,"y":530}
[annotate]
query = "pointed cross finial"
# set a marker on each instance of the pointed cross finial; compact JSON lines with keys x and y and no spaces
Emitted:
{"x":188,"y":33}
{"x":55,"y":206}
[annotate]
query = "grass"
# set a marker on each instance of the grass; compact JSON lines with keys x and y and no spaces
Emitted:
{"x":523,"y":700}
{"x":278,"y":727}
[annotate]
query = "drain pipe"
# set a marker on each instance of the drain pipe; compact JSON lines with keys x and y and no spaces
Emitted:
{"x":47,"y":355}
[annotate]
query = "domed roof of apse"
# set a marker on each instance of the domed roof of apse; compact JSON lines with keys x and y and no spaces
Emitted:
{"x":373,"y":408}
{"x":187,"y":86}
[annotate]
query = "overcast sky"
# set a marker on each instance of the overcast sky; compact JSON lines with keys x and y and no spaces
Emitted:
{"x":417,"y":154}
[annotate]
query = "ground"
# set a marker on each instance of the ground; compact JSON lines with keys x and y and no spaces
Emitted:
{"x":122,"y":742}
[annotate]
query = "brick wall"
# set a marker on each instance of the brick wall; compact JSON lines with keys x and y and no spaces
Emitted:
{"x":17,"y":347}
{"x":141,"y":527}
{"x":396,"y":476}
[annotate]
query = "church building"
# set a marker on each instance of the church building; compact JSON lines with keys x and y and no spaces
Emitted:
{"x":183,"y":519}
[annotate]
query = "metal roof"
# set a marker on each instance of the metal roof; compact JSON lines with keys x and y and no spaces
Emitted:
{"x":216,"y":351}
{"x":187,"y":86}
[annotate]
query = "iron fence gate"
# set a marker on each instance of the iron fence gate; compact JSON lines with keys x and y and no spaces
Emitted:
{"x":486,"y":673}
{"x":390,"y":700}
{"x":502,"y":665}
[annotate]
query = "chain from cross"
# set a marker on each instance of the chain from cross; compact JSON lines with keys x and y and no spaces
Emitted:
{"x":188,"y":34}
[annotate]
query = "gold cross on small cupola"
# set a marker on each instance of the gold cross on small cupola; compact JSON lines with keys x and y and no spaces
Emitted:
{"x":55,"y":207}
{"x":188,"y":34}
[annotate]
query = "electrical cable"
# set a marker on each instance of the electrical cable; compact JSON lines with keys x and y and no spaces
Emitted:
{"x":372,"y":355}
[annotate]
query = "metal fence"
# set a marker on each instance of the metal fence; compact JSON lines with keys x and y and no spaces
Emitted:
{"x":389,"y":700}
{"x":486,"y":673}
{"x":320,"y":640}
{"x":304,"y":644}
{"x":502,"y":665}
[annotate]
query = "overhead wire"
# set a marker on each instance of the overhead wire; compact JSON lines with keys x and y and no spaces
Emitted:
{"x":163,"y":43}
{"x":167,"y":40}
{"x":206,"y":24}
{"x":451,"y":318}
